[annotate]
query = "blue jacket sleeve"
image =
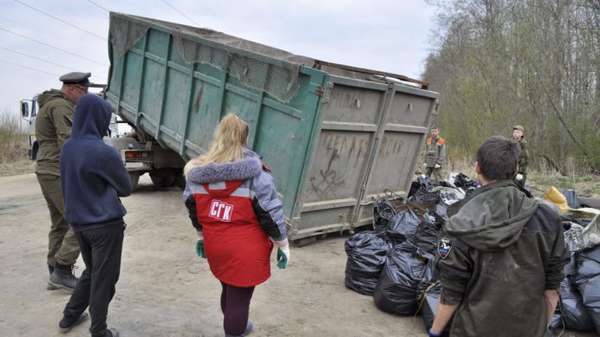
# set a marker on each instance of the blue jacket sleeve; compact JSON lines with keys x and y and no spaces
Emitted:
{"x":115,"y":173}
{"x":268,"y":207}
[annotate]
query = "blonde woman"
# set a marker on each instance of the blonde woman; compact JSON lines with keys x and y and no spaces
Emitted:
{"x":233,"y":204}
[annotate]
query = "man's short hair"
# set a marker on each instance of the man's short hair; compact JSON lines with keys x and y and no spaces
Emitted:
{"x":498,"y":158}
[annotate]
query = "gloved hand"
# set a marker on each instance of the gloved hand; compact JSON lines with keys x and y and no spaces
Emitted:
{"x":437,"y":166}
{"x":200,"y":245}
{"x":283,"y":253}
{"x":432,"y":334}
{"x":424,"y":164}
{"x":519,"y":176}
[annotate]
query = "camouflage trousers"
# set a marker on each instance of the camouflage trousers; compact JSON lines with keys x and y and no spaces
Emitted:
{"x":435,"y":172}
{"x":63,"y":247}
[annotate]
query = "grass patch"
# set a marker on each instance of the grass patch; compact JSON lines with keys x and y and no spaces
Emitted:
{"x":539,"y":181}
{"x":13,"y":139}
{"x":587,"y":186}
{"x":13,"y":146}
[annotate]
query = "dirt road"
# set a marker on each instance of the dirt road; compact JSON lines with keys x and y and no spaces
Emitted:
{"x":165,"y":290}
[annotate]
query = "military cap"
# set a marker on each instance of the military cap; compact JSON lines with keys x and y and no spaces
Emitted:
{"x":519,"y":127}
{"x":78,"y":78}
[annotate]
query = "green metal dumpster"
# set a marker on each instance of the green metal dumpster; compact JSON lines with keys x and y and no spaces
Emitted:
{"x":336,"y":137}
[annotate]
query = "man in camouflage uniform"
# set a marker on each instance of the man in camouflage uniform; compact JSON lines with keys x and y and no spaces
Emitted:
{"x":518,"y":136}
{"x":435,"y":155}
{"x":53,"y":127}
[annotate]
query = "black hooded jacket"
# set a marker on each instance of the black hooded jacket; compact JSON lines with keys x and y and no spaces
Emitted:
{"x":92,"y":173}
{"x":503,"y":250}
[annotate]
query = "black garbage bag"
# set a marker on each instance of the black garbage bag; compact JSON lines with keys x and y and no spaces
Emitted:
{"x":430,"y":277}
{"x":441,"y":212}
{"x":425,"y":239}
{"x":403,"y":226}
{"x":587,"y":281}
{"x":465,"y":182}
{"x":367,"y":254}
{"x":421,"y":192}
{"x":383,"y":214}
{"x":573,"y":315}
{"x":430,"y":302}
{"x":397,"y":290}
{"x":450,"y":195}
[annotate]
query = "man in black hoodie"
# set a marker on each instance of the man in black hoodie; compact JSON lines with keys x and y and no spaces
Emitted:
{"x":502,"y":261}
{"x":93,"y":179}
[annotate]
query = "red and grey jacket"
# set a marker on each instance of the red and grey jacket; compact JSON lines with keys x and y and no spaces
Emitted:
{"x":238,"y":182}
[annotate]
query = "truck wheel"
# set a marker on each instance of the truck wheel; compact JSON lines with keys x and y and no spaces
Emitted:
{"x":135,"y":179}
{"x":162,"y":178}
{"x":180,"y":179}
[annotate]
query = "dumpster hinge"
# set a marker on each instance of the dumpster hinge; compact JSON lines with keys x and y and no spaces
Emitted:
{"x":320,"y":91}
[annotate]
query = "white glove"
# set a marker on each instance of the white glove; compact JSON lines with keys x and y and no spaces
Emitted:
{"x":519,"y":176}
{"x":424,"y":164}
{"x":437,"y":166}
{"x":282,"y":243}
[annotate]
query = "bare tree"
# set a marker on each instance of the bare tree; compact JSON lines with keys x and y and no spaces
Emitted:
{"x":534,"y":62}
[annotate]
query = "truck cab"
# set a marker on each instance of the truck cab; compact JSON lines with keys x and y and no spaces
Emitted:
{"x":29,"y":109}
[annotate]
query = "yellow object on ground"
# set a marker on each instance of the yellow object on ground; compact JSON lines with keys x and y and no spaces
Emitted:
{"x":554,"y":196}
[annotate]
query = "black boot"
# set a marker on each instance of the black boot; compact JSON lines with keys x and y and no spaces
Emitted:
{"x":50,"y":269}
{"x":66,"y":324}
{"x":112,"y":332}
{"x":62,"y":277}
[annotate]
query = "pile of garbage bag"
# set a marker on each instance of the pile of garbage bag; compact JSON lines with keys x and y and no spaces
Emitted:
{"x":401,"y":282}
{"x":463,"y":182}
{"x":396,"y":263}
{"x":587,"y":281}
{"x":579,"y":306}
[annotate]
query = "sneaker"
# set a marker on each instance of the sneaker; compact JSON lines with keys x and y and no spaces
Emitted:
{"x":67,"y":324}
{"x":62,"y":278}
{"x":249,"y":328}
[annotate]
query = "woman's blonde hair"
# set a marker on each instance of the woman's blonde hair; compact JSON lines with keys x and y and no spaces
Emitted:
{"x":227,"y":144}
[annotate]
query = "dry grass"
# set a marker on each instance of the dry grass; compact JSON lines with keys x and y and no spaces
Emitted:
{"x":13,"y":141}
{"x":538,"y":181}
{"x":13,"y":146}
{"x":585,"y":186}
{"x":23,"y":166}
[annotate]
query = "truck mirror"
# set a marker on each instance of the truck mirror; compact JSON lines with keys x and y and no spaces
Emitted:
{"x":24,"y":109}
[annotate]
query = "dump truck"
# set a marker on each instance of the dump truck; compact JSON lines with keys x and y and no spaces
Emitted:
{"x":337,"y":137}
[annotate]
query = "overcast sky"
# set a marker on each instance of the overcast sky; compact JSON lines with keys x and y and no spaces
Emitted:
{"x":388,"y":35}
